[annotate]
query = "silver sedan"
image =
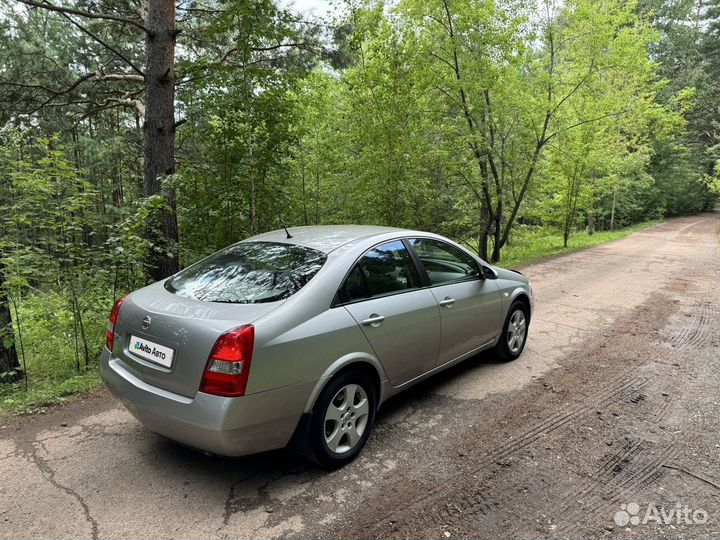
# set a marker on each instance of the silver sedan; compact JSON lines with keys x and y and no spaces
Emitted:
{"x":295,"y":338}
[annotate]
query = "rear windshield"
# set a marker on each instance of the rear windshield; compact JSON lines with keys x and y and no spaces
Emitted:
{"x":248,"y":273}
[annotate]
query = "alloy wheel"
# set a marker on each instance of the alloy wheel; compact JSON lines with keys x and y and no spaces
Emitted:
{"x":517,"y":327}
{"x":346,"y":418}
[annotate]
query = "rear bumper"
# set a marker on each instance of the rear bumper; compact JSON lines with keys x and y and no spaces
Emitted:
{"x":225,"y":426}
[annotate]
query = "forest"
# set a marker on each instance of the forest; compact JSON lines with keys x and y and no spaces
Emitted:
{"x":138,"y":136}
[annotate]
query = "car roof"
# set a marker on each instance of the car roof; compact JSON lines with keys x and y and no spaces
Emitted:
{"x":325,"y":238}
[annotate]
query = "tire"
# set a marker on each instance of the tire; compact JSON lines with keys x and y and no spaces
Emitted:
{"x":341,"y":420}
{"x":508,"y":347}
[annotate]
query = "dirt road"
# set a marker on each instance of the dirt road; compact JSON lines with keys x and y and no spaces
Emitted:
{"x":608,"y":422}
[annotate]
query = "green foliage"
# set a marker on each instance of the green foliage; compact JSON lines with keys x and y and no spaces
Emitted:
{"x":52,"y":273}
{"x":49,"y":334}
{"x":49,"y":331}
{"x":44,"y":393}
{"x":232,"y":181}
{"x":683,"y":51}
{"x":713,"y":182}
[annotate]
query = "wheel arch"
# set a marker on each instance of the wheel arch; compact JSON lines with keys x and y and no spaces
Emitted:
{"x":520,"y":295}
{"x":363,"y":363}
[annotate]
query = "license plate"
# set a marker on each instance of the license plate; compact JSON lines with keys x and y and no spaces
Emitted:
{"x":144,"y":348}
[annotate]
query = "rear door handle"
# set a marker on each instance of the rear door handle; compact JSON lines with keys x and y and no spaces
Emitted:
{"x":373,"y":320}
{"x":447,"y":302}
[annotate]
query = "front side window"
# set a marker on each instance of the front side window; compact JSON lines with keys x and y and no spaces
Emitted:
{"x":249,"y":273}
{"x":443,"y":262}
{"x":383,"y":270}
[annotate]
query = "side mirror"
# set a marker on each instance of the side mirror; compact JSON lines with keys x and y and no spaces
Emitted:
{"x":488,"y":273}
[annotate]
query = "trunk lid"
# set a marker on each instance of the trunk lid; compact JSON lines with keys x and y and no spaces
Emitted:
{"x":154,"y":316}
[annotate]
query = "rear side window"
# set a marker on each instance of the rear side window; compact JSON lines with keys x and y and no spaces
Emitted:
{"x":249,"y":273}
{"x":355,"y":286}
{"x":385,"y":269}
{"x":443,"y":262}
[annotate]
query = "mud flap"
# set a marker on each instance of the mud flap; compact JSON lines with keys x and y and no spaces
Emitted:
{"x":299,"y":441}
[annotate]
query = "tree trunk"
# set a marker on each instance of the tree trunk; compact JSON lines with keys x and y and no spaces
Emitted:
{"x":159,"y":134}
{"x":483,"y":245}
{"x":317,"y":197}
{"x":304,"y":194}
{"x":568,"y":222}
{"x":253,"y":207}
{"x":497,"y":239}
{"x":484,"y":233}
{"x":495,"y":258}
{"x":8,"y":353}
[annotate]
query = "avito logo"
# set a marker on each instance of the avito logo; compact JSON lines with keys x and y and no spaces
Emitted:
{"x":140,"y":346}
{"x":630,"y":514}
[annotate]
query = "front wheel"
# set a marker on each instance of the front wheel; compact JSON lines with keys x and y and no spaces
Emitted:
{"x":514,"y":333}
{"x":341,"y":421}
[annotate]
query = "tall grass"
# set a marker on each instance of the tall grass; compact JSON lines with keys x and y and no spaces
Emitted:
{"x":531,"y":244}
{"x":56,"y":365}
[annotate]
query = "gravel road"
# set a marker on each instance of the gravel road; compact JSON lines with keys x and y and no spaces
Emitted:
{"x":606,"y":427}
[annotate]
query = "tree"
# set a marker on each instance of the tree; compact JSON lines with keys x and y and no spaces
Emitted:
{"x":685,"y":58}
{"x":510,"y":99}
{"x":157,"y":111}
{"x":233,"y":181}
{"x":707,"y":120}
{"x":9,"y":363}
{"x":159,"y":134}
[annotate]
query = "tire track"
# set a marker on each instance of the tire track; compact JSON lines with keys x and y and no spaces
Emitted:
{"x":469,"y":506}
{"x":636,"y":479}
{"x":614,"y":464}
{"x":663,"y":410}
{"x":700,"y":331}
{"x":460,"y":492}
{"x":623,"y":390}
{"x":642,"y":467}
{"x":617,"y":462}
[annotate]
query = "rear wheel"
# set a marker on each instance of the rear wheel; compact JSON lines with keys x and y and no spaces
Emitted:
{"x":514,"y":333}
{"x":341,"y":421}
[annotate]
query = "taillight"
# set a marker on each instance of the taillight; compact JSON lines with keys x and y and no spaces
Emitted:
{"x":110,"y":336}
{"x":227,"y":369}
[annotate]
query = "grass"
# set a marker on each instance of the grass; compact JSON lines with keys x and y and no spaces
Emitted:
{"x":15,"y":400}
{"x":48,"y":333}
{"x":48,"y":327}
{"x":530,"y":245}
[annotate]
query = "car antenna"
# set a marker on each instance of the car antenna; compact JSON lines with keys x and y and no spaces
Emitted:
{"x":282,"y":222}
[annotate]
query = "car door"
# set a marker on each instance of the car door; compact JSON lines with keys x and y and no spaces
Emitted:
{"x":401,"y":320}
{"x":470,"y":305}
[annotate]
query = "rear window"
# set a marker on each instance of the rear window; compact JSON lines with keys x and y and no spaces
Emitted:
{"x":249,"y":273}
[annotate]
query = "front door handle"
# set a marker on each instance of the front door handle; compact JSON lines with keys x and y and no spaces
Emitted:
{"x":373,"y":320}
{"x":447,"y":302}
